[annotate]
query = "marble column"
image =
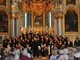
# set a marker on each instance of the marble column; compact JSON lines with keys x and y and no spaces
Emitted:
{"x":43,"y":20}
{"x":32,"y":18}
{"x":59,"y":26}
{"x":17,"y":27}
{"x":50,"y":20}
{"x":26,"y":21}
{"x":55,"y":26}
{"x":11,"y":27}
{"x":13,"y":20}
{"x":14,"y":11}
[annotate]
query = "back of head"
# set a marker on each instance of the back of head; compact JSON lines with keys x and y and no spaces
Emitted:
{"x":65,"y":51}
{"x":78,"y":49}
{"x":61,"y":52}
{"x":54,"y":52}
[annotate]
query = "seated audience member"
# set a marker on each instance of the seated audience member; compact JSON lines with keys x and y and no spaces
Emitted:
{"x":77,"y":54}
{"x":17,"y":54}
{"x":54,"y":55}
{"x":71,"y":53}
{"x":65,"y":51}
{"x":10,"y":57}
{"x":25,"y":52}
{"x":25,"y":55}
{"x":63,"y":54}
{"x":8,"y":49}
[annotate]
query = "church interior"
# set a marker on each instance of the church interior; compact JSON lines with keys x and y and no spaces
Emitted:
{"x":26,"y":21}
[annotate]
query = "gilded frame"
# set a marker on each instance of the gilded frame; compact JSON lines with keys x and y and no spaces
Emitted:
{"x":70,"y":2}
{"x":38,"y":28}
{"x":77,"y":12}
{"x":7,"y":12}
{"x":64,"y":3}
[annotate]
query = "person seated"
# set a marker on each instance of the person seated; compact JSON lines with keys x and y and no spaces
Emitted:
{"x":77,"y":54}
{"x":65,"y":51}
{"x":17,"y":54}
{"x":8,"y":49}
{"x":25,"y":55}
{"x":63,"y":54}
{"x":54,"y":55}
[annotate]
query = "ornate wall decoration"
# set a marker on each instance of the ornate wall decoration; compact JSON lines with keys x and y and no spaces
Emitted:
{"x":38,"y":20}
{"x":39,"y":7}
{"x":25,"y":7}
{"x":2,"y":2}
{"x":37,"y":0}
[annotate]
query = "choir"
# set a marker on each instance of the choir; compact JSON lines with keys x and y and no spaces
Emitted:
{"x":29,"y":46}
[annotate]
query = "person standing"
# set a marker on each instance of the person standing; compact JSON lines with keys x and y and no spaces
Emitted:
{"x":35,"y":48}
{"x":77,"y":42}
{"x":1,"y":51}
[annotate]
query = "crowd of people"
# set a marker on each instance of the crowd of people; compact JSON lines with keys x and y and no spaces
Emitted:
{"x":28,"y":46}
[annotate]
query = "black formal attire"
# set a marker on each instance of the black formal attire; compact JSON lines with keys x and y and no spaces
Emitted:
{"x":35,"y":49}
{"x":1,"y":53}
{"x":69,"y":44}
{"x":5,"y":43}
{"x":77,"y":43}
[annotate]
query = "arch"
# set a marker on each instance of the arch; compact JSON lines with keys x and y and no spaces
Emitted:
{"x":5,"y":9}
{"x":71,"y":7}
